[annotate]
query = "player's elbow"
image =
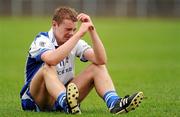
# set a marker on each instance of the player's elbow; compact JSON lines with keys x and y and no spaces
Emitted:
{"x":49,"y":60}
{"x":51,"y":63}
{"x":101,"y":62}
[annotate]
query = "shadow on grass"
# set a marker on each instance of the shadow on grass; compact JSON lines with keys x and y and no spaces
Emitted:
{"x":85,"y":112}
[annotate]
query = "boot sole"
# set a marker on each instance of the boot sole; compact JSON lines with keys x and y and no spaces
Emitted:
{"x":72,"y":98}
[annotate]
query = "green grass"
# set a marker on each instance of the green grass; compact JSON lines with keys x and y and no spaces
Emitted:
{"x":142,"y":55}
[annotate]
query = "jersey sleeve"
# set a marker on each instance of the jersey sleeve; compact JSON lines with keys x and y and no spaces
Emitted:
{"x":39,"y":46}
{"x":81,"y":47}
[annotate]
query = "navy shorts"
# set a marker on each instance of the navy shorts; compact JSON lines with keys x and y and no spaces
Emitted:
{"x":28,"y":104}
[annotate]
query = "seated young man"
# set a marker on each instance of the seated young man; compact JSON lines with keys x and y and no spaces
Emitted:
{"x":50,"y":84}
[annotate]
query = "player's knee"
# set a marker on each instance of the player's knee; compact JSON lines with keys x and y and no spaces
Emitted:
{"x":97,"y":68}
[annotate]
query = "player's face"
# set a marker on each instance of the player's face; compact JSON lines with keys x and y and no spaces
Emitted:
{"x":64,"y":31}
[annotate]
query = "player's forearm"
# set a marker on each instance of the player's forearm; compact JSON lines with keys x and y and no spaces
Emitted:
{"x":55,"y":56}
{"x":99,"y":50}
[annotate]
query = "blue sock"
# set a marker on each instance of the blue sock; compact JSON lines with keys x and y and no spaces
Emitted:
{"x":62,"y":101}
{"x":110,"y":98}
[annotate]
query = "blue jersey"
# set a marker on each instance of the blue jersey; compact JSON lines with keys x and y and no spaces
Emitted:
{"x":45,"y":41}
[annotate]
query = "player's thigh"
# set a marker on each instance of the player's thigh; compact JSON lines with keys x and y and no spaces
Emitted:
{"x":84,"y":82}
{"x":38,"y":90}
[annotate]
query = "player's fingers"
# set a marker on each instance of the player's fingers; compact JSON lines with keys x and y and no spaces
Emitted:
{"x":83,"y":17}
{"x":80,"y":16}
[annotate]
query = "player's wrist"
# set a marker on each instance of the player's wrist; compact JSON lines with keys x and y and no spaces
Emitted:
{"x":79,"y":34}
{"x":93,"y":32}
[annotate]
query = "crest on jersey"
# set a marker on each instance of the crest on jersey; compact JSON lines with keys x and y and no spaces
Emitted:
{"x":42,"y":44}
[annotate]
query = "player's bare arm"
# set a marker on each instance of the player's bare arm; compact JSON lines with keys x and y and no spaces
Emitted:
{"x":53,"y":57}
{"x":96,"y":55}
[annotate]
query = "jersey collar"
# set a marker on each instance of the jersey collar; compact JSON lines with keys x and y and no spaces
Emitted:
{"x":52,"y":38}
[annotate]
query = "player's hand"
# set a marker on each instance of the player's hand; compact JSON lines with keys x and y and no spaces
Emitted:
{"x":84,"y":28}
{"x":84,"y":18}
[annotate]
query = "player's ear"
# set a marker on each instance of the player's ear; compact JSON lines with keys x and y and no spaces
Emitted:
{"x":54,"y":23}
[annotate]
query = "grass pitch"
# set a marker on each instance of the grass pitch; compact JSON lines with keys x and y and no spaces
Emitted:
{"x":143,"y":55}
